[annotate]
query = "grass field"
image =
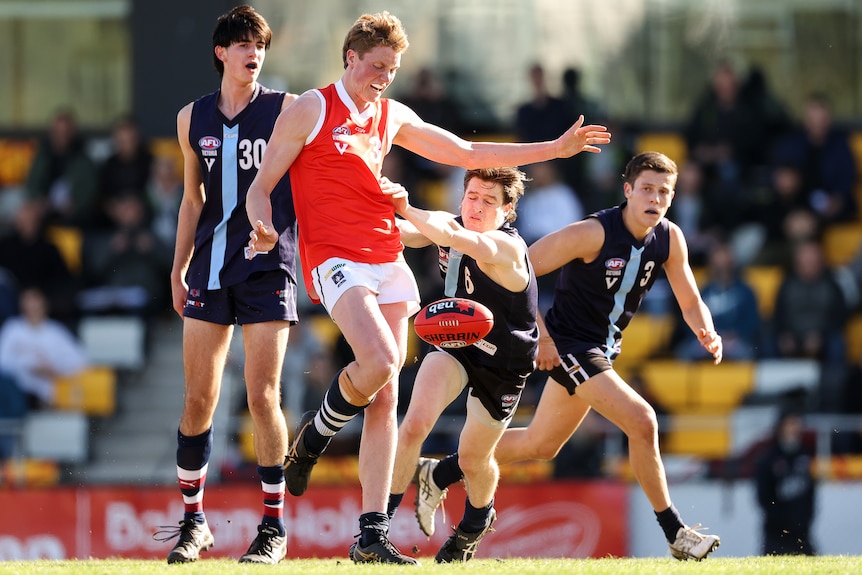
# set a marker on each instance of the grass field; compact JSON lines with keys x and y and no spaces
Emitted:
{"x":647,"y":566}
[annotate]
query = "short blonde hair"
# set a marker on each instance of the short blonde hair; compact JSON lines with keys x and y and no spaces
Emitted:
{"x":373,"y":30}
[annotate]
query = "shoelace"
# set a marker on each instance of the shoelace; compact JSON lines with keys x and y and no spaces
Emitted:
{"x":263,"y":542}
{"x":427,"y":491}
{"x":691,"y":535}
{"x":168,"y":532}
{"x":472,"y":546}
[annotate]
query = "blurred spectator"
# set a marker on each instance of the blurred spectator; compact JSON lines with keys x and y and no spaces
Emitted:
{"x":771,"y":111}
{"x":27,"y":254}
{"x":544,"y":117}
{"x":62,"y":175}
{"x":428,"y":98}
{"x":8,"y":295}
{"x":35,"y":349}
{"x":723,"y":133}
{"x":548,"y":205}
{"x":688,"y":212}
{"x":603,"y":172}
{"x":823,"y":153}
{"x":13,"y":407}
{"x":127,"y":169}
{"x":786,"y":489}
{"x":164,"y":193}
{"x":127,"y":267}
{"x":577,"y":101}
{"x":809,"y":319}
{"x":734,"y":311}
{"x":783,"y":216}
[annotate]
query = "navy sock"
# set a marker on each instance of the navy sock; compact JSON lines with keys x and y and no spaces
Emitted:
{"x":196,"y":517}
{"x":670,"y":522}
{"x":447,"y":471}
{"x":371,"y":527}
{"x":394,"y":502}
{"x":475,"y":518}
{"x":193,"y":454}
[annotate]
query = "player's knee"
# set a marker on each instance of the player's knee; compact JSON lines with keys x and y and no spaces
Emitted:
{"x":544,"y":451}
{"x":415,"y":427}
{"x":473,"y":464}
{"x":644,"y":426}
{"x":262,"y":401}
{"x":376,"y":372}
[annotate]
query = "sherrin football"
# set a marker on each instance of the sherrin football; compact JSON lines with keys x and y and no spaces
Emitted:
{"x":453,"y":322}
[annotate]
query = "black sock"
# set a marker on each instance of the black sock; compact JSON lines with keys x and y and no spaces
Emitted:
{"x":335,"y":412}
{"x":371,"y":527}
{"x":475,"y":518}
{"x":394,"y":502}
{"x":447,"y":471}
{"x":670,"y":522}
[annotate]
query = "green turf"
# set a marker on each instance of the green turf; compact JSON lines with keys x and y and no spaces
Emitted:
{"x":737,"y":566}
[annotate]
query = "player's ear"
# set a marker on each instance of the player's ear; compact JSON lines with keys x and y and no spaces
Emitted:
{"x":627,"y":190}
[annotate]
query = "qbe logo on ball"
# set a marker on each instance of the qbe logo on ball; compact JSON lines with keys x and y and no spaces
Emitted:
{"x":453,"y":322}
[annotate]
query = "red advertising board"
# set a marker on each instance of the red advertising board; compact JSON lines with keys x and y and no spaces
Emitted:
{"x":559,"y":519}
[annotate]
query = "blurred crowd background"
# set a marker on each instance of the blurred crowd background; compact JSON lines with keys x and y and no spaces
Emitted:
{"x":759,"y":103}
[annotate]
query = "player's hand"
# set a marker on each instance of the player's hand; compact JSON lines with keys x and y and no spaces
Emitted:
{"x":179,"y":294}
{"x":580,"y":138}
{"x":548,"y":357}
{"x":396,"y":193}
{"x":262,"y":238}
{"x":711,"y":341}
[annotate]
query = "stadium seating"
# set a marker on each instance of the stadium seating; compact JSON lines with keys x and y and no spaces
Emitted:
{"x":115,"y":341}
{"x":841,"y":242}
{"x":698,"y":387}
{"x":93,"y":392}
{"x":707,"y":436}
{"x":699,"y":399}
{"x":853,"y":339}
{"x":765,"y":281}
{"x":69,"y":241}
{"x":856,"y":146}
{"x":61,"y":436}
{"x":671,"y":144}
{"x":646,"y":336}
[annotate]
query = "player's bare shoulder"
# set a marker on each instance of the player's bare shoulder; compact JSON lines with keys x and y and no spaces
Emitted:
{"x":289,"y":99}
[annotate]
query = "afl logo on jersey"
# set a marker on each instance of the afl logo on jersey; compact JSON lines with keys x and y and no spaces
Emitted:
{"x":209,"y":143}
{"x":340,"y":136}
{"x":615,"y":264}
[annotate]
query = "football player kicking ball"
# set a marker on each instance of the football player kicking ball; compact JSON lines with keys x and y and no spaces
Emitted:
{"x":608,"y":261}
{"x":482,"y":258}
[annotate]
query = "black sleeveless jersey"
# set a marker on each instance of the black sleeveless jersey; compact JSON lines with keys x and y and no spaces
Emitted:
{"x":229,"y":152}
{"x":513,"y":341}
{"x":594,"y":302}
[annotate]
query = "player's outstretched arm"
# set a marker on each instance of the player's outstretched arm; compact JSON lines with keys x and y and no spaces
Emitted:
{"x":441,"y":146}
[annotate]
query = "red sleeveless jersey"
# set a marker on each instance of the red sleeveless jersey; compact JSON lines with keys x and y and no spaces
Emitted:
{"x":339,"y":206}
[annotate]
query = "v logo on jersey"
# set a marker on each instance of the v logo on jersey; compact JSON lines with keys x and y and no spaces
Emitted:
{"x":209,"y":163}
{"x":341,"y":147}
{"x":611,"y":281}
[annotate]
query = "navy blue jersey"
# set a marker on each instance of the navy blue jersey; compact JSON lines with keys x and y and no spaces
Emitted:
{"x":512,"y":342}
{"x":229,"y":153}
{"x":594,"y":302}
